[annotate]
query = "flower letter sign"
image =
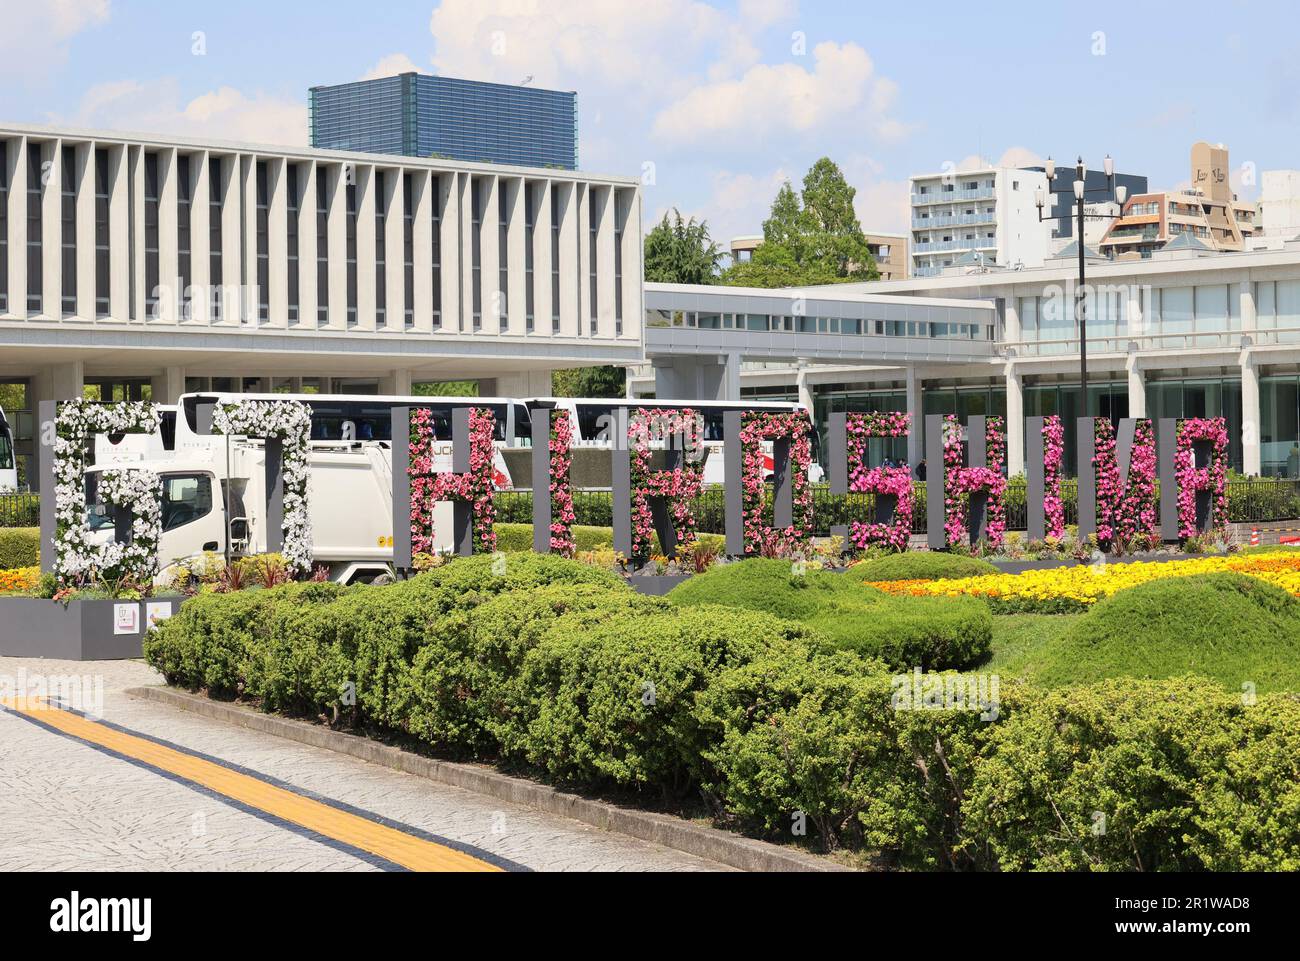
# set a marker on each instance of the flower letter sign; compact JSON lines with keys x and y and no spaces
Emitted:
{"x":285,"y":426}
{"x":75,"y":557}
{"x":1194,"y":452}
{"x":892,"y":486}
{"x":746,"y":481}
{"x":647,"y":501}
{"x":965,"y":501}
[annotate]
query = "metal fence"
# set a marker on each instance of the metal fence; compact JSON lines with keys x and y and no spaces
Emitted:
{"x":1249,"y":501}
{"x":20,"y":510}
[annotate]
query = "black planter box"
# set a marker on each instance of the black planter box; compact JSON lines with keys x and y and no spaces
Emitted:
{"x":78,"y":630}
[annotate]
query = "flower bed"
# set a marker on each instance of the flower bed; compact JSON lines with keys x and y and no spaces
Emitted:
{"x":19,"y":580}
{"x":1074,"y":589}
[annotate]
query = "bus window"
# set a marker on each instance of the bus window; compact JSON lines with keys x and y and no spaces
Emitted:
{"x":595,"y":422}
{"x":168,"y":426}
{"x":523,"y":427}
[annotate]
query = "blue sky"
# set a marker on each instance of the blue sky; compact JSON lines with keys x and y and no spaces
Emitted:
{"x":717,"y":102}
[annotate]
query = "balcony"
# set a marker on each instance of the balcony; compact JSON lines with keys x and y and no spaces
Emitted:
{"x":954,"y":220}
{"x":953,"y":196}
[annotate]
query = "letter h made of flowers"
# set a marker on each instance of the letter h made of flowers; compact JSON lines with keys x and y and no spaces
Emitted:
{"x":649,"y":501}
{"x":965,"y":501}
{"x":850,"y":436}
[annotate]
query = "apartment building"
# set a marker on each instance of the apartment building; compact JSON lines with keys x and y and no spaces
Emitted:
{"x":986,"y":216}
{"x":1206,"y":215}
{"x":888,"y":250}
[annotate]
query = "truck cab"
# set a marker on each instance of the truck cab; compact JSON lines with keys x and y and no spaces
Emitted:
{"x":8,"y":466}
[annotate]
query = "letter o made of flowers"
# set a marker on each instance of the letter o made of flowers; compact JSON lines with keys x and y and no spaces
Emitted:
{"x":288,"y":421}
{"x":78,"y":560}
{"x":893,"y":482}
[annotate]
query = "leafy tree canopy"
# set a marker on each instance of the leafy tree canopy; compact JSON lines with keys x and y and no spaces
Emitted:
{"x":810,"y":238}
{"x":681,"y":252}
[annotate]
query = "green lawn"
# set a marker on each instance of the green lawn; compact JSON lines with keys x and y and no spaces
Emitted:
{"x":1022,"y":641}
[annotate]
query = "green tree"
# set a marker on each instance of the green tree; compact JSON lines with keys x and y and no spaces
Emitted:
{"x":681,"y":252}
{"x":589,"y":382}
{"x":810,"y":238}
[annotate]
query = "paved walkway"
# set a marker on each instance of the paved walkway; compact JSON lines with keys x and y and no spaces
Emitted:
{"x":154,"y":789}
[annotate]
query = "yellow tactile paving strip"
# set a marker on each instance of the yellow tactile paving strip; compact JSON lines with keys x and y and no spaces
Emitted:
{"x":389,"y":843}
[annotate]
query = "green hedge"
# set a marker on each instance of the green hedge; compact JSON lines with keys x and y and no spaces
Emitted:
{"x":919,"y":566}
{"x":560,"y":670}
{"x":1229,"y":627}
{"x":904,"y":632}
{"x":19,"y":547}
{"x":1137,"y":775}
{"x":517,"y":538}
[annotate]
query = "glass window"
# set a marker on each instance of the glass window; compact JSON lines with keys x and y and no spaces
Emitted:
{"x":186,"y":499}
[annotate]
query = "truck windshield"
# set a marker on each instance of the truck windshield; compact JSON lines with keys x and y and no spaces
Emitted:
{"x":186,"y":498}
{"x":6,"y":448}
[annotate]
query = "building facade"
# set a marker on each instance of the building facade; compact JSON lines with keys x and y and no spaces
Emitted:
{"x":418,"y":115}
{"x":1206,"y":215}
{"x":1184,"y":334}
{"x":888,"y":250}
{"x":985,"y":215}
{"x":143,"y":266}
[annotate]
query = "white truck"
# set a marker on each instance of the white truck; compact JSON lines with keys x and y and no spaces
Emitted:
{"x":214,"y":493}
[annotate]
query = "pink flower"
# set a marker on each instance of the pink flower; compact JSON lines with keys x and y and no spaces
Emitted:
{"x":893,"y":482}
{"x":760,"y":539}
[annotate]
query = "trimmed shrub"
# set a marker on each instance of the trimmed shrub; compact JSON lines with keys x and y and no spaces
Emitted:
{"x":380,"y":629}
{"x":613,"y":702}
{"x":517,"y":538}
{"x":19,"y":547}
{"x":208,"y":643}
{"x":919,"y":566}
{"x":1230,"y":627}
{"x":905,"y":632}
{"x":462,"y":674}
{"x":836,"y":738}
{"x":1133,"y":775}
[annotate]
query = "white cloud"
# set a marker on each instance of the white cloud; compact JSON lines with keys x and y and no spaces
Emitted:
{"x":221,"y":114}
{"x":36,"y":35}
{"x":391,"y":66}
{"x":769,"y":99}
{"x":737,"y":204}
{"x":1012,"y":157}
{"x":648,"y":52}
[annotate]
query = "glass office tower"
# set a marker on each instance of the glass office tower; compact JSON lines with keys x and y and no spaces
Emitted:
{"x":417,"y":115}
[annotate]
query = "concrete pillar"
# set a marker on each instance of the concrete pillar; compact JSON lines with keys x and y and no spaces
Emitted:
{"x":232,"y":220}
{"x":1251,"y":417}
{"x":447,"y":187}
{"x":915,"y":436}
{"x":543,"y":305}
{"x":586,"y":310}
{"x":423,"y":185}
{"x":277,"y":241}
{"x":66,"y":381}
{"x":571,"y":299}
{"x":801,"y":385}
{"x":396,"y":383}
{"x":136,"y":175}
{"x":1011,"y":329}
{"x":85,"y":204}
{"x":1015,"y":422}
{"x":52,"y":229}
{"x":16,"y":169}
{"x":603,"y":212}
{"x":697,"y":378}
{"x":307,"y":253}
{"x":253,"y":300}
{"x":465,"y":311}
{"x":168,"y":385}
{"x":200,"y":238}
{"x":336,"y":229}
{"x":168,"y":245}
{"x":366,"y":253}
{"x":394,"y":201}
{"x":1249,"y":315}
{"x":491,"y":298}
{"x":1137,"y":388}
{"x":516,"y":256}
{"x":633,"y":306}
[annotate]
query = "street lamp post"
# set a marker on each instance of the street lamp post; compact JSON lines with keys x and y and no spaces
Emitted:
{"x":1081,"y":192}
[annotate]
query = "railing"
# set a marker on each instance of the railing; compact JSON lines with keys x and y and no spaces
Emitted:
{"x":969,"y":243}
{"x":1182,"y":340}
{"x":1255,"y":500}
{"x":953,"y":220}
{"x":20,"y":510}
{"x":953,"y":196}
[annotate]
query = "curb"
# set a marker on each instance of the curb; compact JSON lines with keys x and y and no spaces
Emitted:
{"x":704,"y":842}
